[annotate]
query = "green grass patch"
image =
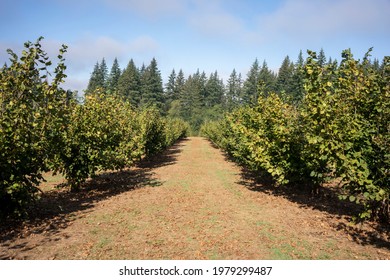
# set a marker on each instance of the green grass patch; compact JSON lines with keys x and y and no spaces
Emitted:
{"x":225,"y":177}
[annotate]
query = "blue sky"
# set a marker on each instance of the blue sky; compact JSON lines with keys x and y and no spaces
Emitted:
{"x":193,"y":34}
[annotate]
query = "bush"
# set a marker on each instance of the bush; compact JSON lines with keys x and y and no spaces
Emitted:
{"x":264,"y":137}
{"x":31,"y":116}
{"x":346,"y":121}
{"x":97,"y":137}
{"x":175,"y":129}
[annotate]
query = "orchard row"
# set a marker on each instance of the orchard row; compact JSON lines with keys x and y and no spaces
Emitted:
{"x":339,"y":133}
{"x":43,"y":128}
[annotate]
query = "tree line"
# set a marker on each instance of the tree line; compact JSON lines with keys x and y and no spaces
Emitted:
{"x":199,"y":97}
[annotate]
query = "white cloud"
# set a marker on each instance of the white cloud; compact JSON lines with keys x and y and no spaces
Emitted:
{"x":212,"y":19}
{"x":150,"y":8}
{"x":75,"y":82}
{"x":219,"y":24}
{"x":206,"y":17}
{"x":84,"y":53}
{"x":314,"y":19}
{"x":143,"y":44}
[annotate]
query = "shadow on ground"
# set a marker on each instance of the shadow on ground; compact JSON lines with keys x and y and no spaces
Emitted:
{"x":325,"y":199}
{"x":57,"y":209}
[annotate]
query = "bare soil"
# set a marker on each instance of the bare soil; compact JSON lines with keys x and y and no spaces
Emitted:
{"x":190,"y":202}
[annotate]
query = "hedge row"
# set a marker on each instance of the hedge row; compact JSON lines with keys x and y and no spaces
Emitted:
{"x":43,"y":128}
{"x":340,"y":133}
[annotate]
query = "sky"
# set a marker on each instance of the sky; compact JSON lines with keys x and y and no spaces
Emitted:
{"x":207,"y":35}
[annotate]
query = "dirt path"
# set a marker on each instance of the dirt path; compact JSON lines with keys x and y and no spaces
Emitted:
{"x":192,"y":204}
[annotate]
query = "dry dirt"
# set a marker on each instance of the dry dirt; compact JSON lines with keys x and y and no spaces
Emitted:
{"x":190,"y":203}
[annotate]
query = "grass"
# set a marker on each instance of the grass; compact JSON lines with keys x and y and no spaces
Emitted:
{"x":226,"y":178}
{"x":103,"y":242}
{"x":51,"y":181}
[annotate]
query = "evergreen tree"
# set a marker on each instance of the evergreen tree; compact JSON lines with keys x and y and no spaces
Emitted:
{"x":193,"y":99}
{"x":179,"y":85}
{"x":201,"y":81}
{"x":267,"y":79}
{"x":214,"y":90}
{"x":249,"y":93}
{"x":94,"y":81}
{"x":297,"y":81}
{"x":113,"y":78}
{"x":240,"y":84}
{"x":129,"y":84}
{"x":283,"y":82}
{"x":169,"y":91}
{"x":376,"y":65}
{"x":142,"y":69}
{"x":233,"y":90}
{"x":152,"y":88}
{"x":300,"y":60}
{"x":103,"y":74}
{"x":198,"y":91}
{"x":170,"y":87}
{"x":321,"y":58}
{"x":186,"y":100}
{"x":98,"y":79}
